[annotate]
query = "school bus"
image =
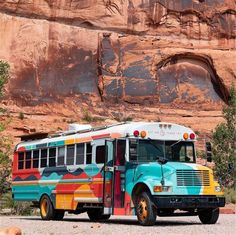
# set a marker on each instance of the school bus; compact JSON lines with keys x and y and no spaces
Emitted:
{"x":146,"y":169}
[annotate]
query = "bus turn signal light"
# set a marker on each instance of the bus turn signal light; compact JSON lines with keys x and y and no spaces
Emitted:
{"x":143,"y":134}
{"x":185,"y":135}
{"x":157,"y":189}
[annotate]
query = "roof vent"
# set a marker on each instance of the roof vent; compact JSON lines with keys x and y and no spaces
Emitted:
{"x":79,"y":127}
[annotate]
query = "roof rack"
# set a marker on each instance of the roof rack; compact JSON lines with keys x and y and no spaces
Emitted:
{"x":33,"y":136}
{"x":43,"y":135}
{"x":86,"y":130}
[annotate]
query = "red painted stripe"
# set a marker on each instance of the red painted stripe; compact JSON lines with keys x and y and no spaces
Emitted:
{"x":100,"y":136}
{"x":119,"y":211}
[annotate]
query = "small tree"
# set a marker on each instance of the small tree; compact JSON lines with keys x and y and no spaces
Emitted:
{"x":224,"y":144}
{"x":5,"y":162}
{"x":4,"y":75}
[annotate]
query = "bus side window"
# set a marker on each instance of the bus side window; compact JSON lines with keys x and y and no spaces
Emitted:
{"x":70,"y":153}
{"x":43,"y":160}
{"x":52,"y":157}
{"x":79,"y":154}
{"x":88,"y":153}
{"x":21,"y":156}
{"x":35,"y":158}
{"x":28,"y":160}
{"x":61,"y":156}
{"x":133,"y":150}
{"x":100,"y":154}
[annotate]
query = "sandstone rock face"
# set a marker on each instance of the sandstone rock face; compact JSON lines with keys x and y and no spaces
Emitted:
{"x":175,"y":54}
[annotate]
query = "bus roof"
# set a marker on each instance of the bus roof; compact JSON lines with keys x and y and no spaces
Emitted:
{"x":153,"y":130}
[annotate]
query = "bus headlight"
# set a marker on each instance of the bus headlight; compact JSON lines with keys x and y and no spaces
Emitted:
{"x":217,"y":189}
{"x":159,"y":188}
{"x":167,"y":189}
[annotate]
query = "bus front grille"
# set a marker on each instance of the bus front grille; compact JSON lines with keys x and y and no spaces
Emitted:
{"x":193,"y":178}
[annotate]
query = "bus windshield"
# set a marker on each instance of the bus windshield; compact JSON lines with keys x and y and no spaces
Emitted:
{"x":175,"y":151}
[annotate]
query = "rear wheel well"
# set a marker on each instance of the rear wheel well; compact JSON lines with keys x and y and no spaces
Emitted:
{"x":138,"y":189}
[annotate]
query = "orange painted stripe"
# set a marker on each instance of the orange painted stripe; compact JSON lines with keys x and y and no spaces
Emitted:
{"x":101,"y":136}
{"x":83,"y":140}
{"x":115,"y":135}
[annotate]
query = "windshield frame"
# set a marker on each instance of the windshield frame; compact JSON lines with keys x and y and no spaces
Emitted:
{"x":152,"y":142}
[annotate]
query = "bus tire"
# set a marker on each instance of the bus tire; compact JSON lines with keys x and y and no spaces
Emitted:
{"x":47,"y":211}
{"x":59,"y":215}
{"x":97,"y":215}
{"x":209,"y":216}
{"x":146,"y":212}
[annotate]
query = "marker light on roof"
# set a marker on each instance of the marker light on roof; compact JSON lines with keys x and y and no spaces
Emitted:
{"x":136,"y":133}
{"x":185,"y":136}
{"x":143,"y":134}
{"x":192,"y":136}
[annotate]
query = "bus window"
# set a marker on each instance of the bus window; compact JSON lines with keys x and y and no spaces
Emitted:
{"x":79,"y":154}
{"x":52,"y":157}
{"x":100,"y":154}
{"x":35,"y":158}
{"x":88,"y":153}
{"x":61,"y":156}
{"x":43,"y":160}
{"x":21,"y":160}
{"x":133,"y":149}
{"x":28,"y":160}
{"x":70,"y":154}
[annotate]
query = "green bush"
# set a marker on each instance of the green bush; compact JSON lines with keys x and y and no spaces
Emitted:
{"x":230,"y":195}
{"x":5,"y":162}
{"x":4,"y":75}
{"x":87,"y":116}
{"x":224,"y":144}
{"x":17,"y":207}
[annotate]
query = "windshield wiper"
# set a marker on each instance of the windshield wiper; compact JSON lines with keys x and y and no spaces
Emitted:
{"x":175,"y":143}
{"x":160,"y":160}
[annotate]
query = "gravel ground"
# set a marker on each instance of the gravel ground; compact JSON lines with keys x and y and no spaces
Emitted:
{"x":80,"y":224}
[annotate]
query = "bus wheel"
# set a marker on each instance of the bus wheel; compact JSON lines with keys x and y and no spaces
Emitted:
{"x":146,"y":213}
{"x":97,"y":215}
{"x":209,"y":216}
{"x":59,"y":215}
{"x":46,"y":208}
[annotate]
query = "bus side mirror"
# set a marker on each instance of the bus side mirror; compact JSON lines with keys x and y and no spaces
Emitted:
{"x":208,"y":152}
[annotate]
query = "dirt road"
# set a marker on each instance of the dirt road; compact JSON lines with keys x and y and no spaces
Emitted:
{"x":74,"y":225}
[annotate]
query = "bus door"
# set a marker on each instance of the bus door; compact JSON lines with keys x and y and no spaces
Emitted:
{"x":114,"y":176}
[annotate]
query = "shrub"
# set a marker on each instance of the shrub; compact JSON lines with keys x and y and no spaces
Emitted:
{"x":4,"y":75}
{"x":230,"y":195}
{"x":224,"y":144}
{"x":17,"y":207}
{"x":87,"y":116}
{"x":21,"y":116}
{"x":5,"y":162}
{"x":123,"y":118}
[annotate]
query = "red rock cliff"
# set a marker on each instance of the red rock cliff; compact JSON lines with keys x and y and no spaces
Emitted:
{"x":171,"y":59}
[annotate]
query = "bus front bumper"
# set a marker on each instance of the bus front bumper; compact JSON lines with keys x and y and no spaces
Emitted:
{"x":180,"y":202}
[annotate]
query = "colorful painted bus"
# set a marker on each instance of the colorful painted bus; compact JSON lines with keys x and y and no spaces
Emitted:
{"x":134,"y":168}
